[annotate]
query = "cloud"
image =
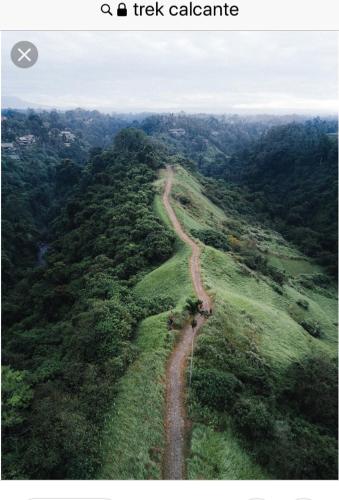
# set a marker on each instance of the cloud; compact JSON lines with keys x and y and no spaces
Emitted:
{"x":193,"y":71}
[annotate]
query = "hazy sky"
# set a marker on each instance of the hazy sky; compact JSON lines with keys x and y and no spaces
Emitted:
{"x":173,"y":71}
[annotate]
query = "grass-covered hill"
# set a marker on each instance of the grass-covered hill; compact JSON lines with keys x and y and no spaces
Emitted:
{"x":267,"y":351}
{"x":263,"y":397}
{"x":87,"y":334}
{"x":287,"y":165}
{"x":292,"y":175}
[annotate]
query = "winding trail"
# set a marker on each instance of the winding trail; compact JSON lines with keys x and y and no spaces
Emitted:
{"x":175,"y":420}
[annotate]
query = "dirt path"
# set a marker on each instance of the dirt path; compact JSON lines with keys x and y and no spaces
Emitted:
{"x":174,"y":460}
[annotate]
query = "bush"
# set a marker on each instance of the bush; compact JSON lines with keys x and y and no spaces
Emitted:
{"x":277,"y":276}
{"x":157,"y":305}
{"x":253,"y":419}
{"x":312,"y":387}
{"x":212,"y":238}
{"x":302,"y":452}
{"x":312,"y":328}
{"x":303,"y":303}
{"x":215,"y":388}
{"x":257,"y":262}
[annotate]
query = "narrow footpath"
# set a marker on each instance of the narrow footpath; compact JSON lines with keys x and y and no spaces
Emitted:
{"x":175,"y":420}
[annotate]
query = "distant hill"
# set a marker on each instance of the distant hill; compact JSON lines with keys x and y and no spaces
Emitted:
{"x":292,"y":172}
{"x":15,"y":102}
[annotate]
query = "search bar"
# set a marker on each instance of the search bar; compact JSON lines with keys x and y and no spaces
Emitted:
{"x":88,"y":15}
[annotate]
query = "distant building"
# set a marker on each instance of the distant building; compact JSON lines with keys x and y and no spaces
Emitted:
{"x":7,"y":145}
{"x":177,"y":132}
{"x":26,"y":140}
{"x":67,"y":136}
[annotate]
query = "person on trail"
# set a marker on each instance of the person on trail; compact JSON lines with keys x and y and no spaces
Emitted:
{"x":170,"y":320}
{"x":194,"y":323}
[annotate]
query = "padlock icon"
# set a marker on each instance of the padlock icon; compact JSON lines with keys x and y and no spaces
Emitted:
{"x":122,"y":10}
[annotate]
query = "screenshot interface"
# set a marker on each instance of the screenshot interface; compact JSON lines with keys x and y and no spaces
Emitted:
{"x":169,"y":250}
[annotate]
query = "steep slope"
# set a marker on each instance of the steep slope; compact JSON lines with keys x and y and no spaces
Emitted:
{"x":265,"y":324}
{"x":69,"y":330}
{"x":292,"y":173}
{"x":269,"y":320}
{"x":175,"y":383}
{"x":134,"y":440}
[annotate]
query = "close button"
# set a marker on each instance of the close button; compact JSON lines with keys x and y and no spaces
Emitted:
{"x":24,"y":54}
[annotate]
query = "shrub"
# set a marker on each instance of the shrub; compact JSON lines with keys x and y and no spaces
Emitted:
{"x":215,"y":388}
{"x":255,"y":261}
{"x":303,"y":303}
{"x":234,"y":243}
{"x":156,"y":305}
{"x":212,"y":238}
{"x":253,"y":419}
{"x":278,"y":276}
{"x":312,"y":328}
{"x":312,"y":387}
{"x":302,"y":452}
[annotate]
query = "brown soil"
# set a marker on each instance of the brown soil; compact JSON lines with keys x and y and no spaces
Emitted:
{"x":175,"y":421}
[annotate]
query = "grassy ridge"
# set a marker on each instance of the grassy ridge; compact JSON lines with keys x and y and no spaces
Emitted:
{"x":134,"y":438}
{"x":218,"y":455}
{"x":250,"y":310}
{"x":232,"y":283}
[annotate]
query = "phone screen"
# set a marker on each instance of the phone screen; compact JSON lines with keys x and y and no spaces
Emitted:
{"x":169,"y":249}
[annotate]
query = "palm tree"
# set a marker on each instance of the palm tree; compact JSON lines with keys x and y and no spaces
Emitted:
{"x":193,"y":307}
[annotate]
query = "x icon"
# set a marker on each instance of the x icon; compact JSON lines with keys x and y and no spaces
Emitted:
{"x":24,"y":55}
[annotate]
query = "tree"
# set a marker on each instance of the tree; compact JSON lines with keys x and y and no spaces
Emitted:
{"x":193,"y":307}
{"x":16,"y":396}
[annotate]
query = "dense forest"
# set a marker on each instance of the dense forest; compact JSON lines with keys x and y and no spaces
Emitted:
{"x":80,"y":185}
{"x":287,"y":170}
{"x":69,"y":325}
{"x":292,"y":173}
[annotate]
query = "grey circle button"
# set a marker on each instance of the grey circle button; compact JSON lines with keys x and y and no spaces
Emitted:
{"x":24,"y":54}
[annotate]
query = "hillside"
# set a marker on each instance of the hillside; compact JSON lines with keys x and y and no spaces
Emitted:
{"x":263,"y":333}
{"x":268,"y":331}
{"x":286,"y":168}
{"x":159,"y":246}
{"x":292,"y":173}
{"x":69,"y":326}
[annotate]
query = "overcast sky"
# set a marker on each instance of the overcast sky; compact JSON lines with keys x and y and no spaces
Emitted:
{"x":172,"y":71}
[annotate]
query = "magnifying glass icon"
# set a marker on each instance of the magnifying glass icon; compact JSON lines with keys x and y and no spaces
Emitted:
{"x":106,"y":9}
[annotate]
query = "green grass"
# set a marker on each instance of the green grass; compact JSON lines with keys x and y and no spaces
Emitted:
{"x":247,"y":304}
{"x":134,"y":438}
{"x":293,"y":267}
{"x":282,"y":338}
{"x":218,"y":455}
{"x":200,"y":213}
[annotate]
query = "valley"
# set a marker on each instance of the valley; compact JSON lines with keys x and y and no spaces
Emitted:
{"x":108,"y":357}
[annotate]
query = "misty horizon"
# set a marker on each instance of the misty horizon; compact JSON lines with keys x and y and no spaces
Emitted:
{"x":15,"y":104}
{"x":163,"y":72}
